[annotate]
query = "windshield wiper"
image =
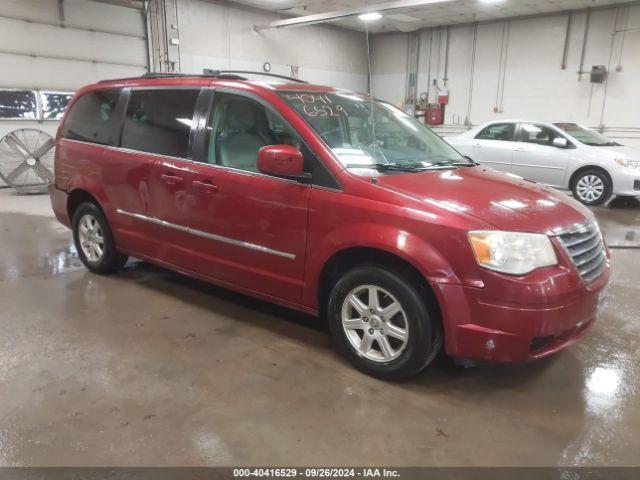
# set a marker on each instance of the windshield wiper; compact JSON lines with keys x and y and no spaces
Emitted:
{"x":406,"y":167}
{"x":606,"y":144}
{"x":388,"y":167}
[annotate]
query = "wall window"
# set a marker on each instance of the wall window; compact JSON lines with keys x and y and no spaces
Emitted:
{"x":497,"y":131}
{"x":92,"y":118}
{"x":159,"y":121}
{"x":538,"y":134}
{"x":18,"y":104}
{"x":54,"y":104}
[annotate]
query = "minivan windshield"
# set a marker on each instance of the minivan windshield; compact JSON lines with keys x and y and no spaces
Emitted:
{"x":365,"y":133}
{"x":586,"y":136}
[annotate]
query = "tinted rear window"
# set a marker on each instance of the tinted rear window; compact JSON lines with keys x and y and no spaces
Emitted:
{"x":92,"y":118}
{"x":497,"y":131}
{"x":159,"y":121}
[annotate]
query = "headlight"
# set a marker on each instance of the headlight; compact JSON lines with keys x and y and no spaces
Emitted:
{"x":627,"y":163}
{"x":512,"y":252}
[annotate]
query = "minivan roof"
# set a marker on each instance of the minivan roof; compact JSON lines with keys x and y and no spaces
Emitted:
{"x":274,"y":82}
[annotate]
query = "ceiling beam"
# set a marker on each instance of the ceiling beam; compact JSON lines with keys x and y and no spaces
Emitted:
{"x":137,"y":4}
{"x":337,"y":15}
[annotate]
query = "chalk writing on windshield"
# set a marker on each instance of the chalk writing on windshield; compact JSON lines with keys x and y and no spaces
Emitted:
{"x":314,"y":105}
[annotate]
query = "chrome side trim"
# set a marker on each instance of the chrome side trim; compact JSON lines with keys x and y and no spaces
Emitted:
{"x":536,"y":166}
{"x":210,"y":236}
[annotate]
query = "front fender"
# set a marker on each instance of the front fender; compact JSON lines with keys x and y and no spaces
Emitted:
{"x":405,"y":245}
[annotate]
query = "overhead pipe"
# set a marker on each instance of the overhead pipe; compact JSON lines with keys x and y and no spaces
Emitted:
{"x":606,"y":81}
{"x":446,"y":58}
{"x":429,"y":66}
{"x":584,"y":43}
{"x":624,"y":35}
{"x":467,"y":120}
{"x":147,"y":44}
{"x":567,"y":35}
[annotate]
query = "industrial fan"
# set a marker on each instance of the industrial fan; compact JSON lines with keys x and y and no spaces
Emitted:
{"x":26,"y":160}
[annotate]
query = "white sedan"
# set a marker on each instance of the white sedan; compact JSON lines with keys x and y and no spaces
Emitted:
{"x":561,"y":155}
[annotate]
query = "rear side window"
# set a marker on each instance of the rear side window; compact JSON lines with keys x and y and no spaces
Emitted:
{"x":538,"y":134}
{"x":159,"y":121}
{"x":497,"y":131}
{"x":92,"y":118}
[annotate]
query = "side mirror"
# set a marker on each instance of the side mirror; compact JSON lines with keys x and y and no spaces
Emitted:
{"x":560,"y":142}
{"x":281,"y":161}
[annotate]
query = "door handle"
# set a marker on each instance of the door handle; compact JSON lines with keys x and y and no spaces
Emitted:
{"x":171,"y":179}
{"x":476,"y":145}
{"x":520,"y":150}
{"x":206,"y":186}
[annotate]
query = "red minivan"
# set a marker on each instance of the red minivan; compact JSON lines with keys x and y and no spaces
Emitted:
{"x":332,"y":203}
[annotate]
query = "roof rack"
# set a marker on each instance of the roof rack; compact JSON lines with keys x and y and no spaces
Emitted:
{"x":207,"y":73}
{"x":175,"y":75}
{"x":218,"y":73}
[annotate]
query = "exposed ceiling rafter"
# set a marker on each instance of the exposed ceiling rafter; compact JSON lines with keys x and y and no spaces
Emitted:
{"x":337,"y":15}
{"x":137,"y":4}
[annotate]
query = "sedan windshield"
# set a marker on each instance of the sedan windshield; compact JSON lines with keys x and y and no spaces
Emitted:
{"x":586,"y":136}
{"x":370,"y":134}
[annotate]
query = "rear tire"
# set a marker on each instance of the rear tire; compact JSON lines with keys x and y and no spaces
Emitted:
{"x":592,"y":187}
{"x":94,"y":241}
{"x":381,"y":324}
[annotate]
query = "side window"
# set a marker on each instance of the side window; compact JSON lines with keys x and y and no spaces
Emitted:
{"x":538,"y":134}
{"x":93,"y":118}
{"x":238,"y":127}
{"x":159,"y":121}
{"x":497,"y":131}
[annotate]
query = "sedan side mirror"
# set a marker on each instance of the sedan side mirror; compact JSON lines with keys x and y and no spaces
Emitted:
{"x":281,"y":161}
{"x":560,"y":142}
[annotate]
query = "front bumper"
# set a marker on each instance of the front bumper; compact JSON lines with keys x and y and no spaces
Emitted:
{"x":514,"y":320}
{"x":626,"y":181}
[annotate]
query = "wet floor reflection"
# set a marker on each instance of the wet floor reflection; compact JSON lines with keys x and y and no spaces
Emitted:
{"x":619,"y":221}
{"x":151,"y":367}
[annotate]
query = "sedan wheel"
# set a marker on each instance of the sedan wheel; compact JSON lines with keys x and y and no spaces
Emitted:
{"x":592,"y":187}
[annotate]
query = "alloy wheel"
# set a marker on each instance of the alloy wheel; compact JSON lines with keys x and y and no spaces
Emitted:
{"x":91,"y":238}
{"x":375,"y":323}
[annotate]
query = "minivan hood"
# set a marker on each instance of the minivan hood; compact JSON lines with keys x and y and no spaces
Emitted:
{"x":622,"y":151}
{"x":504,"y":201}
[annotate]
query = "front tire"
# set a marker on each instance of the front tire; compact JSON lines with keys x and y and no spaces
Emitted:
{"x":381,"y":324}
{"x":592,"y":187}
{"x":94,"y":241}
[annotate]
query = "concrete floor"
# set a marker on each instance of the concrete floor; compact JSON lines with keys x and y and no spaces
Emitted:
{"x":151,"y":368}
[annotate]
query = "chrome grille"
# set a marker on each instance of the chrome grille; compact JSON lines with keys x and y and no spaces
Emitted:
{"x":586,"y":249}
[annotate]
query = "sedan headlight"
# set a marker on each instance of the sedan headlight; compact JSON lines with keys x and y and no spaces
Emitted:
{"x":515,"y":253}
{"x":627,"y":163}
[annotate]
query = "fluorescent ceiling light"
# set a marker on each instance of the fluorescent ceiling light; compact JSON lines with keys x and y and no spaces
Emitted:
{"x":370,"y":16}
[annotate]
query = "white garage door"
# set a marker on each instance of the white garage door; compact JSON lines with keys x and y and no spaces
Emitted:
{"x":51,"y":50}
